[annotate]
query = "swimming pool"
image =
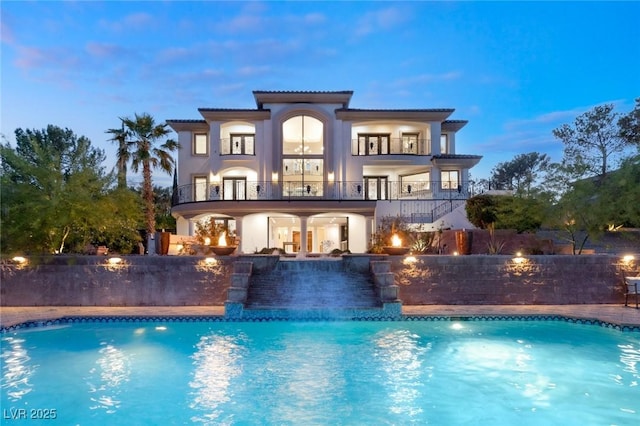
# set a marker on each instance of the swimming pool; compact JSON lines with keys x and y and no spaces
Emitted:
{"x":321,"y":372}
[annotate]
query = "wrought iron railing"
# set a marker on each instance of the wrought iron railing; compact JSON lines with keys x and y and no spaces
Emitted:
{"x":393,"y":146}
{"x":327,"y":190}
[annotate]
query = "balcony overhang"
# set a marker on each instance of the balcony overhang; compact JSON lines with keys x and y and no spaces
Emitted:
{"x":293,"y":206}
{"x":453,"y":125}
{"x":219,"y":114}
{"x":421,"y":115}
{"x":455,"y":160}
{"x":188,"y":125}
{"x":295,"y":97}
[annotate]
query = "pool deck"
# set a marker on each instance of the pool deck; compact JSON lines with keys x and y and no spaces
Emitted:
{"x":615,"y":314}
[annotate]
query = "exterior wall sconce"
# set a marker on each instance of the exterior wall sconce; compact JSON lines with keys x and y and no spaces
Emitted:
{"x":217,"y":188}
{"x":258,"y":189}
{"x":331,"y":177}
{"x":274,"y":177}
{"x":308,"y":189}
{"x":409,"y":189}
{"x":459,"y":189}
{"x":359,"y":188}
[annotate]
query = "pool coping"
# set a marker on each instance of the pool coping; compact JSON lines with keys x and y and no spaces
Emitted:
{"x":611,"y":316}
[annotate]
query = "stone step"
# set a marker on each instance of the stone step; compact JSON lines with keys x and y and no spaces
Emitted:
{"x":311,"y":284}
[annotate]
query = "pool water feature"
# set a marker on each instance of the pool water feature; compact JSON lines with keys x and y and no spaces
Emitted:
{"x":322,"y":372}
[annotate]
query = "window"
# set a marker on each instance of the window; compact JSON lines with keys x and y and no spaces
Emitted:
{"x":416,"y":184}
{"x":444,"y":143}
{"x":375,"y":187}
{"x":302,"y":156}
{"x":239,"y":144}
{"x":409,"y":143}
{"x":234,"y":188}
{"x":449,"y":179}
{"x":199,"y":188}
{"x":200,"y":144}
{"x":373,"y":144}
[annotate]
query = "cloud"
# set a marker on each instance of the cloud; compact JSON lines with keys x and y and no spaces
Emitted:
{"x":251,"y":71}
{"x":427,"y":78}
{"x":383,"y":19}
{"x":134,"y":22}
{"x":104,"y":50}
{"x":6,"y":33}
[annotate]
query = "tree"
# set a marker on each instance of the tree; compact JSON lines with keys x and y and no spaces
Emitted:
{"x":163,"y":200}
{"x":629,"y":125}
{"x":506,"y":212}
{"x":52,"y":186}
{"x":592,"y":143}
{"x":521,"y":173}
{"x":123,"y":154}
{"x":143,"y":134}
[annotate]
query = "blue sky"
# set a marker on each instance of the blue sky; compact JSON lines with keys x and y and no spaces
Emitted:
{"x":515,"y":70}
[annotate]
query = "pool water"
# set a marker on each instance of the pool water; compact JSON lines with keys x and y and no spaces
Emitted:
{"x":321,"y":373}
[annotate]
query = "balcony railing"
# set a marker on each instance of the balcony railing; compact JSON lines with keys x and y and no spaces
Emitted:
{"x":339,"y":190}
{"x":395,"y":146}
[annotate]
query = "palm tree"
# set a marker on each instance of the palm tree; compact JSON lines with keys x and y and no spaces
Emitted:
{"x":142,"y":134}
{"x":123,"y":154}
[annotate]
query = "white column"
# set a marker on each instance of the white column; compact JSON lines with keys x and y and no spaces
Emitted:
{"x":239,"y":233}
{"x":303,"y":236}
{"x":368,"y":226}
{"x":192,"y":227}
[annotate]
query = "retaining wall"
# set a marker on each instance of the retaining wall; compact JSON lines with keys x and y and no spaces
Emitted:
{"x":189,"y":280}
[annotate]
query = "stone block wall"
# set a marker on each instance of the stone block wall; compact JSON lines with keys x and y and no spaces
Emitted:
{"x":496,"y":279}
{"x":137,"y":281}
{"x":191,"y":280}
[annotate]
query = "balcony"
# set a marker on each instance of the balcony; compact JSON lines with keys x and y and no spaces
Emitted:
{"x":392,"y":146}
{"x":317,"y":190}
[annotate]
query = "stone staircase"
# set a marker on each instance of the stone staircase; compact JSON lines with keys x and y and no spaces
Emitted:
{"x":326,"y":288}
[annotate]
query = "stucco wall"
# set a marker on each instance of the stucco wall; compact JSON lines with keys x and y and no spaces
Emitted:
{"x":186,"y":280}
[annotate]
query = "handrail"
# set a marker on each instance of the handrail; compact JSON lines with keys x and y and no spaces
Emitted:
{"x":240,"y":190}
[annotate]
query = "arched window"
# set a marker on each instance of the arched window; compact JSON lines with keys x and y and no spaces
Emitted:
{"x":302,"y":156}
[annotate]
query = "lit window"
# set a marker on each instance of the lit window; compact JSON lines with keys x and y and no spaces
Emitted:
{"x":239,"y":144}
{"x":449,"y":179}
{"x":199,"y":188}
{"x":200,"y":145}
{"x":444,"y":144}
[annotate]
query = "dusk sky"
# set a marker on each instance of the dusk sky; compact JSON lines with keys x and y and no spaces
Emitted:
{"x":515,"y":70}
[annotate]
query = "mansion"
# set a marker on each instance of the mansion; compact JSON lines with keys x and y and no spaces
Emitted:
{"x":306,"y":173}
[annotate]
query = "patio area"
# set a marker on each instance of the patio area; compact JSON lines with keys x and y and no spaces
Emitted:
{"x":611,"y":313}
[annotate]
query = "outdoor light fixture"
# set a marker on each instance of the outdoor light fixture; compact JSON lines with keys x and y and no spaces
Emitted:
{"x":274,"y":177}
{"x":217,"y":189}
{"x":114,"y":261}
{"x":331,"y":177}
{"x":258,"y":189}
{"x":627,"y":258}
{"x":210,"y":261}
{"x":19,"y":260}
{"x":359,"y":188}
{"x":518,"y":258}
